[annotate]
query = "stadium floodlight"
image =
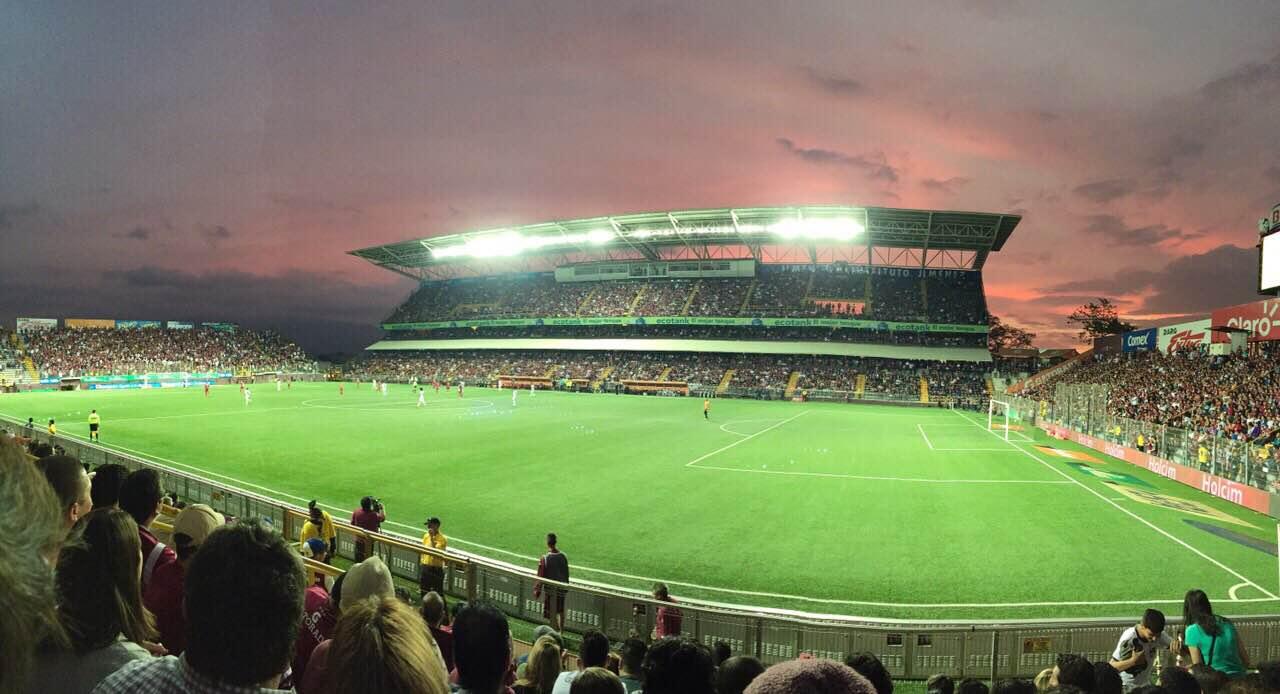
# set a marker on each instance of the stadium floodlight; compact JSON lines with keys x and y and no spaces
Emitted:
{"x":599,"y":237}
{"x":837,"y":229}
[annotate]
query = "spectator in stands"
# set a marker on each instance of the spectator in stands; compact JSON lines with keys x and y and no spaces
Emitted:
{"x":735,"y":674}
{"x":163,"y":595}
{"x":553,"y":566}
{"x":1071,"y":669}
{"x":105,"y":489}
{"x":431,"y":571}
{"x":1212,"y":639}
{"x":370,"y":516}
{"x":940,"y":684}
{"x":243,"y":604}
{"x":870,"y":667}
{"x":1211,"y":681}
{"x":433,"y":613}
{"x":669,"y":619}
{"x":720,"y":652}
{"x":380,"y":646}
{"x":1105,"y":679}
{"x":481,"y":648}
{"x":71,"y":483}
{"x":320,"y":524}
{"x":1176,"y":681}
{"x":319,"y":617}
{"x":140,"y":497}
{"x":811,"y":675}
{"x":542,"y":670}
{"x":99,"y":606}
{"x":1133,"y":654}
{"x":370,"y":579}
{"x":538,"y":632}
{"x":678,"y":665}
{"x":594,"y":653}
{"x":972,"y":685}
{"x":597,"y":680}
{"x":631,"y":664}
{"x":31,"y":532}
{"x":1014,"y":686}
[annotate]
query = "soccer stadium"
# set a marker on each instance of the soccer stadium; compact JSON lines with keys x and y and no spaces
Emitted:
{"x":789,"y":416}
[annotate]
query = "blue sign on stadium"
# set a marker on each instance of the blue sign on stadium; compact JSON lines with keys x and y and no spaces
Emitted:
{"x":1140,"y":340}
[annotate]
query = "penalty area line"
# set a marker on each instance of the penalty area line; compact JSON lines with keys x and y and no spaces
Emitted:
{"x":722,"y":449}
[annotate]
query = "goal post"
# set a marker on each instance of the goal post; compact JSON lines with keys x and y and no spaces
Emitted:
{"x":998,"y":414}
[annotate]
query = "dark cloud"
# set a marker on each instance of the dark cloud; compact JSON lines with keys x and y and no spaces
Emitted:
{"x":307,"y":203}
{"x":11,"y":215}
{"x":1183,"y":145}
{"x":213,"y":234}
{"x":1117,"y":233}
{"x":1247,"y":78}
{"x":1105,"y":191}
{"x":1272,"y":173}
{"x":833,"y":84}
{"x":947,"y":185}
{"x":138,"y":233}
{"x":874,"y":164}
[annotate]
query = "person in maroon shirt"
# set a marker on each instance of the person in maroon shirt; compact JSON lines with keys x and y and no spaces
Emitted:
{"x":140,"y":497}
{"x":163,"y":595}
{"x":370,"y":516}
{"x":319,"y":617}
{"x":669,"y":619}
{"x":433,"y":611}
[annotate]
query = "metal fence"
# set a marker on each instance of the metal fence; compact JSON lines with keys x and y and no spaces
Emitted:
{"x":909,"y":649}
{"x":1083,"y":407}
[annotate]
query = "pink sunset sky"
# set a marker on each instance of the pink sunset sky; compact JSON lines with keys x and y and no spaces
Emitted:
{"x":216,"y":161}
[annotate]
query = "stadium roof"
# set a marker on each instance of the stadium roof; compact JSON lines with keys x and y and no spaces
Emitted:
{"x":816,"y":234}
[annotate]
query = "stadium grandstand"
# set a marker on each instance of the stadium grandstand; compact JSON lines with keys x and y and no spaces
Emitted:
{"x":836,"y":303}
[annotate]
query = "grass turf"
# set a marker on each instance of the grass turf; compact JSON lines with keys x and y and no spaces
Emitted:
{"x":859,"y":510}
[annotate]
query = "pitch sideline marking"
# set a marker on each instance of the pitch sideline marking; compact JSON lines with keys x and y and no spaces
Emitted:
{"x":876,"y":478}
{"x":920,"y":428}
{"x":1126,"y":511}
{"x":701,"y":458}
{"x":647,"y":579}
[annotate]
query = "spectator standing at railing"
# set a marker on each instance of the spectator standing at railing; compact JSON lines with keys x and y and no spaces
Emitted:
{"x":431,"y":571}
{"x":669,"y":619}
{"x":140,"y":497}
{"x":370,"y":517}
{"x":553,"y":566}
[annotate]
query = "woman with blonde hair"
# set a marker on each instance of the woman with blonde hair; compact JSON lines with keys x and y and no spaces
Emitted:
{"x":543,"y":668}
{"x":382,"y":645}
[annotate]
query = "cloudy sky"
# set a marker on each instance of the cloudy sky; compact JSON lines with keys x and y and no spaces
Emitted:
{"x":216,"y":160}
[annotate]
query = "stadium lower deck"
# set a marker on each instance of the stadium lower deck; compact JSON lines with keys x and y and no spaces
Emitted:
{"x":876,"y":511}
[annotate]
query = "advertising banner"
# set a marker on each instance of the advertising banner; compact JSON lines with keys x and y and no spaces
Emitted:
{"x":167,"y":376}
{"x":225,"y":327}
{"x":847,"y":323}
{"x":90,"y":323}
{"x":179,"y":325}
{"x":135,"y":324}
{"x":1139,"y":340}
{"x":1108,"y":344}
{"x":1173,"y":338}
{"x":1257,"y":317}
{"x":1236,"y":493}
{"x":25,"y":324}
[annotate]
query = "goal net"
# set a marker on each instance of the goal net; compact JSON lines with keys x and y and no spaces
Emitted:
{"x":1000,"y":417}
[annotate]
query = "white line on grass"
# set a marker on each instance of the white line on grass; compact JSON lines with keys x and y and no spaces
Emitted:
{"x":1232,"y":592}
{"x":745,"y":439}
{"x":926,"y":437}
{"x":669,"y":581}
{"x":1126,"y":511}
{"x":838,"y":475}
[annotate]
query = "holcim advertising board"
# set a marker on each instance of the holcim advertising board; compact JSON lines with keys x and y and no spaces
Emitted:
{"x":1259,"y":318}
{"x":1183,"y":335}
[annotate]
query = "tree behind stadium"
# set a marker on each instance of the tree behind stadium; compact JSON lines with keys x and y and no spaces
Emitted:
{"x":1098,"y":318}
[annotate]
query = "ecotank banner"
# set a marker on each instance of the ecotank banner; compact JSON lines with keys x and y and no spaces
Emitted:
{"x":1174,"y":338}
{"x":1258,"y":318}
{"x":137,"y":324}
{"x":1140,"y":340}
{"x":179,"y":325}
{"x":847,"y":323}
{"x":25,"y":324}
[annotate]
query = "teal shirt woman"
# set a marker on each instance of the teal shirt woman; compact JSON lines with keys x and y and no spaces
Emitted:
{"x":1212,"y":639}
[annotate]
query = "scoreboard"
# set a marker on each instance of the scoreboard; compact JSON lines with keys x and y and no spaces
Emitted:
{"x":1269,"y":252}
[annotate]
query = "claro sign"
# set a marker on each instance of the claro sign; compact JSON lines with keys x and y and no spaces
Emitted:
{"x":1260,"y":318}
{"x":1140,"y":340}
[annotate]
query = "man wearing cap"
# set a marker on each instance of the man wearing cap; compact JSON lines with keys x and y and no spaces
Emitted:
{"x":369,"y":579}
{"x":163,"y":595}
{"x":431,"y":576}
{"x":317,"y":550}
{"x":320,"y":524}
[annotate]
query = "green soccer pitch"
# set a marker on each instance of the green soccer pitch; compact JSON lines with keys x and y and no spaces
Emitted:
{"x":874,"y":511}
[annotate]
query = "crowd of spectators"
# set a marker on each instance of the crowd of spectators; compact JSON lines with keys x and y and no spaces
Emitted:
{"x":702,"y":332}
{"x":8,"y":355}
{"x":242,"y":613}
{"x":105,"y":351}
{"x":781,"y":291}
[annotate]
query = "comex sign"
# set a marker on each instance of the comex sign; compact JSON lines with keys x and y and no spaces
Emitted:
{"x":1140,"y":340}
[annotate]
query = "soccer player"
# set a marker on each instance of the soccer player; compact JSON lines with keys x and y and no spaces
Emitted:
{"x":530,"y":390}
{"x":422,"y":396}
{"x":436,"y":382}
{"x":248,"y":395}
{"x":279,"y":384}
{"x":206,"y":390}
{"x":341,"y":389}
{"x":514,"y":391}
{"x":384,"y":389}
{"x":94,"y":421}
{"x":706,"y":408}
